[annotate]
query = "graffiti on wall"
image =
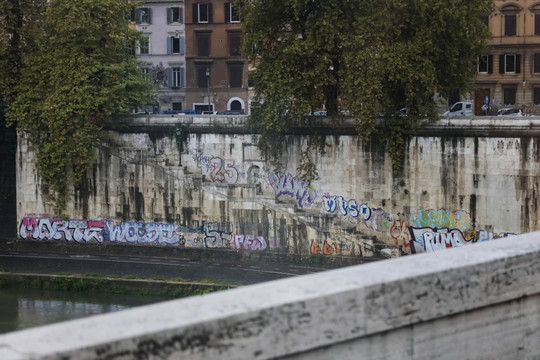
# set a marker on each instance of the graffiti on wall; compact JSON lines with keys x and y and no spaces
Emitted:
{"x":137,"y":232}
{"x":57,"y":229}
{"x":429,"y":239}
{"x":249,"y":242}
{"x":210,"y":235}
{"x":291,"y":186}
{"x":333,"y":204}
{"x":399,"y":231}
{"x":441,"y":219}
{"x":218,"y":169}
{"x":327,"y":248}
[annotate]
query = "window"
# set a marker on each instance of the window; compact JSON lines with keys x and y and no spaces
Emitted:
{"x":235,"y":75}
{"x":143,"y":16}
{"x":175,"y":45}
{"x":485,"y":64}
{"x":177,"y":105}
{"x":202,"y":13}
{"x":510,"y":25}
{"x":144,"y":46}
{"x":232,"y":13}
{"x":147,"y":73}
{"x":175,"y":77}
{"x":510,"y":64}
{"x":536,"y":24}
{"x":203,"y":76}
{"x":536,"y":60}
{"x":235,"y":43}
{"x":536,"y":96}
{"x":175,"y":15}
{"x":509,"y":94}
{"x":203,"y":44}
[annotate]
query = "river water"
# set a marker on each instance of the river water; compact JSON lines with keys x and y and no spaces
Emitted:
{"x":22,"y":308}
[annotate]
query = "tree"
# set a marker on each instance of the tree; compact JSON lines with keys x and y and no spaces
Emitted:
{"x":18,"y":20}
{"x":370,"y":57}
{"x":81,"y":72}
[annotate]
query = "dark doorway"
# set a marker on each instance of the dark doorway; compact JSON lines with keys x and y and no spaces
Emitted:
{"x":236,"y":105}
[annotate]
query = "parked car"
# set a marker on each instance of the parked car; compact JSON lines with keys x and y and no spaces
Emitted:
{"x":231,"y":112}
{"x":510,"y":112}
{"x":184,"y":112}
{"x":461,"y":108}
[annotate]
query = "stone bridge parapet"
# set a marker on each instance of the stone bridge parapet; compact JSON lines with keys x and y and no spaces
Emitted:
{"x":475,"y":302}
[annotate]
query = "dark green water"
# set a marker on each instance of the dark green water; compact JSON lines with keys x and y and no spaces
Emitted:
{"x":22,"y":308}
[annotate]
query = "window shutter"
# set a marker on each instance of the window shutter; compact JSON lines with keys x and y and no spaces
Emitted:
{"x":518,"y":63}
{"x":181,"y":15}
{"x":169,"y":15}
{"x":210,"y":12}
{"x":501,"y":64}
{"x":182,"y":77}
{"x":195,"y":13}
{"x":149,"y":15}
{"x":137,"y":16}
{"x":169,"y":45}
{"x":227,"y":12}
{"x":182,"y":45}
{"x":169,"y":73}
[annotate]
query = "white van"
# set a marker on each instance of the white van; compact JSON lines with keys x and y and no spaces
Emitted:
{"x":461,"y":108}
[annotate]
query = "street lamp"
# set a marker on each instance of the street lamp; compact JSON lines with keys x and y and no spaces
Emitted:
{"x":208,"y":87}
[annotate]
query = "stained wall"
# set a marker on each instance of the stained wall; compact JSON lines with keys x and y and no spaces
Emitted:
{"x":463,"y":181}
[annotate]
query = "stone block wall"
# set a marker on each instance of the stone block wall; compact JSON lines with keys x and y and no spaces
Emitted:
{"x":464,"y":181}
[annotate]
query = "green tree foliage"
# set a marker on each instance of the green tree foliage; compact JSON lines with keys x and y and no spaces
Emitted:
{"x":370,"y":57}
{"x":79,"y":73}
{"x":18,"y":20}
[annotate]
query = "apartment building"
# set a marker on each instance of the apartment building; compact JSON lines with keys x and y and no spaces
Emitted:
{"x":216,"y":72}
{"x":509,"y":74}
{"x":162,"y":53}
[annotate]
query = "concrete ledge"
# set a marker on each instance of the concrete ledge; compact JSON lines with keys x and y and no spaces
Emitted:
{"x":458,"y":303}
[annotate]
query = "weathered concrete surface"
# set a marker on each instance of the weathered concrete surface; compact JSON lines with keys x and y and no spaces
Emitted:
{"x":464,"y":181}
{"x":475,"y":302}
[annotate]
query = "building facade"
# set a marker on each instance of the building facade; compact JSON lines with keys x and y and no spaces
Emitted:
{"x":509,"y":74}
{"x":216,"y":76}
{"x":162,"y":52}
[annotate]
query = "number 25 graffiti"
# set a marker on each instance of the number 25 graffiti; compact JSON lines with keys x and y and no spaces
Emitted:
{"x":223,"y":170}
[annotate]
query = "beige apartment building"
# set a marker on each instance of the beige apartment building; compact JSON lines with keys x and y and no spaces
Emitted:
{"x":509,"y":74}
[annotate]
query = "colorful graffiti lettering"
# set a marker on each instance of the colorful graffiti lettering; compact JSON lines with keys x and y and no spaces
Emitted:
{"x":57,"y":229}
{"x":379,"y":220}
{"x":429,"y":239}
{"x":346,"y":207}
{"x":142,"y":233}
{"x":249,"y":242}
{"x":291,"y":186}
{"x":212,"y":235}
{"x":442,"y":219}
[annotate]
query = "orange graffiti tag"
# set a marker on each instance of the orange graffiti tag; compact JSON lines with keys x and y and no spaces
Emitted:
{"x":315,"y":249}
{"x":328,"y":249}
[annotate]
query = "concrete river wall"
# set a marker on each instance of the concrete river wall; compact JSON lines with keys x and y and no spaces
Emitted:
{"x":464,"y":181}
